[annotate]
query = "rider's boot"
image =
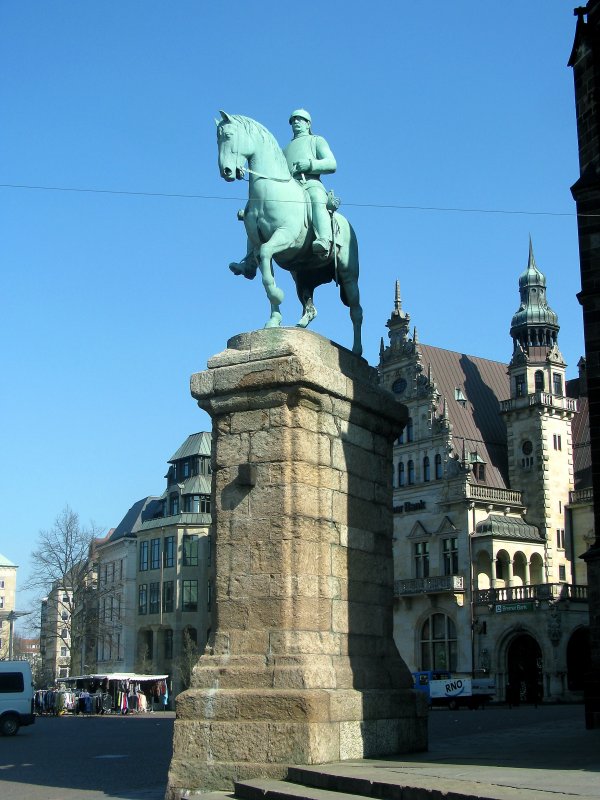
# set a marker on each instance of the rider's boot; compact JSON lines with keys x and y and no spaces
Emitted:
{"x":245,"y":267}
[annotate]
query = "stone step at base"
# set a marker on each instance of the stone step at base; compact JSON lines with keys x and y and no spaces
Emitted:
{"x":265,"y":789}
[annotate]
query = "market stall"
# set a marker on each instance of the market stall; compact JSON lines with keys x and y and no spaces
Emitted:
{"x":118,"y":692}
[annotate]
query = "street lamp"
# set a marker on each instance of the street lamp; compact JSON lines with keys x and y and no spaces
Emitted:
{"x":11,"y":616}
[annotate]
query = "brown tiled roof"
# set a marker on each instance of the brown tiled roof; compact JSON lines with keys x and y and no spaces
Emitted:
{"x":479,"y":424}
{"x":582,"y":454}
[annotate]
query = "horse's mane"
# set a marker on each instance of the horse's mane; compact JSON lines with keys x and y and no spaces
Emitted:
{"x":254,"y":128}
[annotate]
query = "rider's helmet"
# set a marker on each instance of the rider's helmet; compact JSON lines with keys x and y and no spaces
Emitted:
{"x":301,"y":112}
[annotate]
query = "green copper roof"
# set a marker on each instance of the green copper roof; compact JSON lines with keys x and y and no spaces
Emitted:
{"x":500,"y":527}
{"x":534,"y":311}
{"x":195,"y":444}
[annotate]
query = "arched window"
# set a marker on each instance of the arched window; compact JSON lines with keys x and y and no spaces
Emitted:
{"x":438,"y":643}
{"x":426,"y":470}
{"x":539,"y":381}
{"x":409,"y":430}
{"x":438,"y":467}
{"x":411,"y":472}
{"x":401,"y":474}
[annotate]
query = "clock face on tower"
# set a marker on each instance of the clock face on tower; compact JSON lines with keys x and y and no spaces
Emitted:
{"x":398,"y":386}
{"x":527,"y":448}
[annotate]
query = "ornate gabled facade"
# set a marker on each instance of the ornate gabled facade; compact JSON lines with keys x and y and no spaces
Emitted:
{"x":488,"y":579}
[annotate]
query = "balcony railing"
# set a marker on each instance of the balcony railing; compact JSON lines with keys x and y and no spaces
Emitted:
{"x":582,"y":495}
{"x":506,"y":496}
{"x":539,"y":591}
{"x":436,"y":585}
{"x":539,"y":399}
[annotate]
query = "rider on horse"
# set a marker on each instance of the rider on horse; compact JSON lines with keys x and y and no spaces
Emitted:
{"x":308,"y":158}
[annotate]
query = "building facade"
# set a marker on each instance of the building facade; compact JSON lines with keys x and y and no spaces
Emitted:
{"x":173,"y":589}
{"x":55,"y":634}
{"x":8,"y":593}
{"x":492,"y":507}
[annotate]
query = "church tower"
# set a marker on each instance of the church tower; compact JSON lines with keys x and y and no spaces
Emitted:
{"x":538,"y":418}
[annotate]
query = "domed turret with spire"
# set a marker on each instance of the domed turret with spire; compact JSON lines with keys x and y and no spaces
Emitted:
{"x":534,"y":325}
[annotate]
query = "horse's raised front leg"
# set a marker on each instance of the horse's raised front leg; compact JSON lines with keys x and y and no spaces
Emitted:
{"x":278,"y":242}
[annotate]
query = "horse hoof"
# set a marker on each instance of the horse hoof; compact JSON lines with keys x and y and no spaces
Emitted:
{"x":237,"y":269}
{"x":274,"y":321}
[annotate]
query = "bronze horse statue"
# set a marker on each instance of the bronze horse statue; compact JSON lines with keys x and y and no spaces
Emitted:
{"x":277,"y":218}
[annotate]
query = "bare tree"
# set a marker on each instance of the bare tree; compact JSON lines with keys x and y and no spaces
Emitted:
{"x":184,"y":665}
{"x":63,"y":571}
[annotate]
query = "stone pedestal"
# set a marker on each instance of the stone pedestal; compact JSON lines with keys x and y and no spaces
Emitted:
{"x":302,"y":667}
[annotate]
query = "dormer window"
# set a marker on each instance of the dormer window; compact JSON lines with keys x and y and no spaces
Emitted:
{"x":478,"y":466}
{"x":460,"y":397}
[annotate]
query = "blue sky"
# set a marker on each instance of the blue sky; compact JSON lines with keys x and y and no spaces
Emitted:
{"x":111,"y":301}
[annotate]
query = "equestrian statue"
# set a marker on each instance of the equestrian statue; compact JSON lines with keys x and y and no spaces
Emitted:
{"x":289,"y":216}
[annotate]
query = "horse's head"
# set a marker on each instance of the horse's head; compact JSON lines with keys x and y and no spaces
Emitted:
{"x":232,"y":141}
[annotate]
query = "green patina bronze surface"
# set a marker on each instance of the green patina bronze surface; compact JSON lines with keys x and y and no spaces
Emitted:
{"x":286,"y":217}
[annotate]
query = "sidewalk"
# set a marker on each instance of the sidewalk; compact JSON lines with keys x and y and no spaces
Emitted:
{"x":525,"y":763}
{"x":546,"y":758}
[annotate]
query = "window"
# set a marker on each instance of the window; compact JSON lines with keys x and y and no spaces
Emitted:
{"x":450,"y":553}
{"x":169,"y":643}
{"x":557,"y":383}
{"x":63,"y":672}
{"x":562,"y":572}
{"x":426,"y":469}
{"x":560,"y":539}
{"x":401,"y":474}
{"x":174,"y":504}
{"x":190,"y":550}
{"x":64,"y":615}
{"x":143,"y":566}
{"x":520,"y":385}
{"x":197,"y":503}
{"x":1,"y":602}
{"x":479,"y":471}
{"x":438,"y":643}
{"x":409,"y":430}
{"x":438,"y":467}
{"x":2,"y":584}
{"x":154,"y":598}
{"x":143,"y":598}
{"x":208,"y":595}
{"x":65,"y":598}
{"x":185,"y":469}
{"x":155,"y":554}
{"x":189,"y":596}
{"x":63,"y":652}
{"x":421,"y":551}
{"x":539,"y":381}
{"x":64,"y":633}
{"x":205,"y":468}
{"x":209,"y":550}
{"x":411,"y":472}
{"x":168,"y":596}
{"x":400,"y":439}
{"x":169,"y":551}
{"x":557,"y":440}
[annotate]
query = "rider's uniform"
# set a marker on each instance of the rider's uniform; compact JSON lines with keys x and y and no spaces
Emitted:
{"x":322,"y":161}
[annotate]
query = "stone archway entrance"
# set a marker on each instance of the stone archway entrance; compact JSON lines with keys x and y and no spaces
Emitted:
{"x":524,"y":670}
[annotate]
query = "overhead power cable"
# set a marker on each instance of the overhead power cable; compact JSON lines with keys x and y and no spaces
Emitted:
{"x":395,"y":206}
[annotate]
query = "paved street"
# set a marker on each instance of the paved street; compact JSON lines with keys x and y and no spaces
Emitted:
{"x":127,"y":758}
{"x":88,"y":758}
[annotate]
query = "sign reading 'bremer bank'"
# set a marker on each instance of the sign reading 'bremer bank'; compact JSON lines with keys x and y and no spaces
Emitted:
{"x":406,"y":507}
